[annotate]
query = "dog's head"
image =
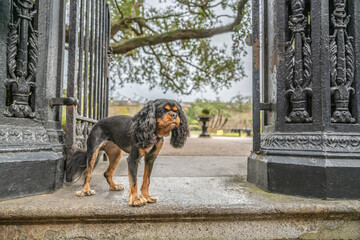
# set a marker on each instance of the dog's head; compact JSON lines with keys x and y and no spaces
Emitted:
{"x":157,"y":119}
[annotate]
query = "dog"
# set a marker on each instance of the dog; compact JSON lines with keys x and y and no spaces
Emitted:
{"x":141,"y":135}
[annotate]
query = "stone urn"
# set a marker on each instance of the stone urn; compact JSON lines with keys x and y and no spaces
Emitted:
{"x":204,"y":119}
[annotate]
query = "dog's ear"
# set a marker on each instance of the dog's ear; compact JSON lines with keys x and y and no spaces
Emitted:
{"x":179,"y":135}
{"x":143,"y":126}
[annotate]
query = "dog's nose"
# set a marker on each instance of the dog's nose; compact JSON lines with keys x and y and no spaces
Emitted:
{"x":173,"y":115}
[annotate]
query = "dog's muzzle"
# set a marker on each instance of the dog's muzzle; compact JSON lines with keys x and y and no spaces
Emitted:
{"x":173,"y":115}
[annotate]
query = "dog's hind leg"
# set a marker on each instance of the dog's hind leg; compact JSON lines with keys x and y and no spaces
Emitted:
{"x":92,"y":155}
{"x":149,"y":162}
{"x":114,"y":153}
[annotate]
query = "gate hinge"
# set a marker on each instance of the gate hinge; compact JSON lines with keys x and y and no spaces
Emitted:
{"x":266,"y":106}
{"x":63,"y":101}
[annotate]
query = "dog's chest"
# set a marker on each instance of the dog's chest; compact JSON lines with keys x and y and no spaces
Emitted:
{"x":148,"y":149}
{"x":142,"y":151}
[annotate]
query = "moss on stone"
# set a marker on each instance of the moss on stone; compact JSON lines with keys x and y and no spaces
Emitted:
{"x":347,"y":230}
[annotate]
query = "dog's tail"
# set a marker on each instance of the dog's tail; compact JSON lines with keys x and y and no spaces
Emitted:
{"x":77,"y":166}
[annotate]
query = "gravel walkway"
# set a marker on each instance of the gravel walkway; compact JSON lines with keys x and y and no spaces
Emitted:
{"x":214,"y":146}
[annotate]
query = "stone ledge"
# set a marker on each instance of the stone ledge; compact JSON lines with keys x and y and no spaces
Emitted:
{"x":215,"y":207}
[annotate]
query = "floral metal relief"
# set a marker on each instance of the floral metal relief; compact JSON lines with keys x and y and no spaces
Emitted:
{"x":298,"y":65}
{"x":22,"y":54}
{"x":342,"y":64}
{"x":311,"y":142}
{"x":83,"y":130}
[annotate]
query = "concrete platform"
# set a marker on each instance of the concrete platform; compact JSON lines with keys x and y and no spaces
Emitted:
{"x":196,"y":201}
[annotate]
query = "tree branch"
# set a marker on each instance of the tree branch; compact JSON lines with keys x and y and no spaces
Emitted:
{"x":172,"y":54}
{"x":129,"y":45}
{"x":125,"y":21}
{"x":118,"y":8}
{"x":116,"y":27}
{"x":163,"y":71}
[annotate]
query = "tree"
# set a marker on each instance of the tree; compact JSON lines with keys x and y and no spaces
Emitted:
{"x":169,"y":46}
{"x":241,"y":103}
{"x":218,"y":110}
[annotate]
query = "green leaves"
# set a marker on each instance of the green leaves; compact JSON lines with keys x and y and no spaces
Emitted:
{"x":218,"y":109}
{"x":181,"y":63}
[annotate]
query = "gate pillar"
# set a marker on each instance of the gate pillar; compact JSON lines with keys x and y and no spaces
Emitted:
{"x":306,"y":80}
{"x":31,"y":70}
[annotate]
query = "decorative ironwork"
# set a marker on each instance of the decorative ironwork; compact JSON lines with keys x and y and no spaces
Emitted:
{"x":88,"y":79}
{"x":298,"y":65}
{"x":83,"y":129}
{"x":290,"y":156}
{"x":342,"y":65}
{"x":22,"y":54}
{"x":23,"y":136}
{"x":311,"y":142}
{"x":80,"y":138}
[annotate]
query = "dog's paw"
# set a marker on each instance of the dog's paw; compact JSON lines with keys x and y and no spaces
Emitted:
{"x":83,"y":193}
{"x":117,"y":187}
{"x":151,"y":199}
{"x":137,"y":202}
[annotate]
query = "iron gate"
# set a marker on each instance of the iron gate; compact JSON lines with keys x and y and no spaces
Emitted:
{"x":260,"y":75}
{"x":87,"y":76}
{"x":306,"y":61}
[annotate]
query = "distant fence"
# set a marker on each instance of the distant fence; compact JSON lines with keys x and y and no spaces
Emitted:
{"x":239,"y":130}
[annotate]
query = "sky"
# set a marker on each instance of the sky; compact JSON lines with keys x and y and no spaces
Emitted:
{"x":243,"y":87}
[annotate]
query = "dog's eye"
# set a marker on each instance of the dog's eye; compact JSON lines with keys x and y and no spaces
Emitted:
{"x":167,"y":107}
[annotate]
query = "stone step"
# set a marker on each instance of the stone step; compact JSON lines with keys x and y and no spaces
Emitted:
{"x":188,"y":208}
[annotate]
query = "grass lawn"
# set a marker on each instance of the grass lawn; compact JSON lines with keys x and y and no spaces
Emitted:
{"x":219,"y":134}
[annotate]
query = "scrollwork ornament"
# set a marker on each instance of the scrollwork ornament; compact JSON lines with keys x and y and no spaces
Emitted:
{"x":23,"y":136}
{"x":311,"y":143}
{"x":22,"y":54}
{"x":342,"y":64}
{"x":298,"y":65}
{"x":83,"y":129}
{"x":80,"y":134}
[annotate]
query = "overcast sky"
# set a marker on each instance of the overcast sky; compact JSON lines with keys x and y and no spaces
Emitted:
{"x":139,"y":92}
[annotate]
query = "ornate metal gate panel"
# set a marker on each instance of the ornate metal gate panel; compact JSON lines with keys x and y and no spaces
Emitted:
{"x":33,"y":40}
{"x":87,"y":76}
{"x":31,"y":70}
{"x":306,"y":81}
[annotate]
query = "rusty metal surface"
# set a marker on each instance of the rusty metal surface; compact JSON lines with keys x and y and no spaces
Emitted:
{"x":256,"y":75}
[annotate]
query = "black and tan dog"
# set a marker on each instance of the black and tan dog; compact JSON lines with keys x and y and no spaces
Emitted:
{"x":141,"y":135}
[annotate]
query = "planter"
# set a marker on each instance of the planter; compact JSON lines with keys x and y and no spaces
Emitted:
{"x":204,"y":120}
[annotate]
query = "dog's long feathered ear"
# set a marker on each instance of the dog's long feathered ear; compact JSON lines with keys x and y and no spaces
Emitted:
{"x":143,"y":126}
{"x":179,"y":135}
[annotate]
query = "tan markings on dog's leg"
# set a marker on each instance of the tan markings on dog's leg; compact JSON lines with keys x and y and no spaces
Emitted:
{"x":134,"y":199}
{"x":147,"y":171}
{"x":158,"y":147}
{"x":114,"y":153}
{"x":146,"y":182}
{"x":142,"y":151}
{"x":86,"y":191}
{"x":145,"y":186}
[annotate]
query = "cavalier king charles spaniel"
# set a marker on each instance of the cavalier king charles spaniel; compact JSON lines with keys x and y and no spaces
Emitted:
{"x":141,"y":135}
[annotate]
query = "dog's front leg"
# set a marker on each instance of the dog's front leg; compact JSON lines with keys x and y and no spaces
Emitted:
{"x":133,"y":160}
{"x":149,"y":162}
